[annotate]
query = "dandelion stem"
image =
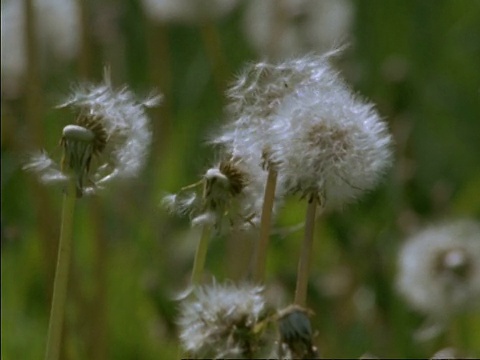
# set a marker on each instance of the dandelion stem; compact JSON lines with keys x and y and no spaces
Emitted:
{"x":61,"y":274}
{"x":306,"y":254}
{"x":201,"y":254}
{"x":265,"y":225}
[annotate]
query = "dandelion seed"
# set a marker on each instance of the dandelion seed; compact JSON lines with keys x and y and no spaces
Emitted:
{"x":439,"y":269}
{"x":223,"y":320}
{"x":109,"y":139}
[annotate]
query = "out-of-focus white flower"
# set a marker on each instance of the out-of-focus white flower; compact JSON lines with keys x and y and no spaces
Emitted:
{"x":283,"y":28}
{"x":439,"y":269}
{"x":223,"y":320}
{"x":109,"y":139}
{"x":57,"y":32}
{"x":327,"y":142}
{"x":231,"y":188}
{"x":187,"y":11}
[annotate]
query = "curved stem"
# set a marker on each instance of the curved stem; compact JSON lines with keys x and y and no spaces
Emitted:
{"x":306,"y":255}
{"x":265,"y":225}
{"x":61,"y":274}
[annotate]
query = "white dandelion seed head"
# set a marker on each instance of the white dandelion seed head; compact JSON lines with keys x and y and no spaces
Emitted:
{"x":328,"y":142}
{"x":219,"y":320}
{"x":125,"y":122}
{"x":109,"y":140}
{"x":439,"y":269}
{"x":285,"y":28}
{"x":255,"y":98}
{"x":187,"y":11}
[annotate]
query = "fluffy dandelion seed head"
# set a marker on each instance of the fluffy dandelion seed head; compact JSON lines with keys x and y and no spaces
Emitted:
{"x":255,"y":98}
{"x":110,"y":138}
{"x":439,"y":268}
{"x":120,"y":124}
{"x":220,"y":320}
{"x":327,"y":142}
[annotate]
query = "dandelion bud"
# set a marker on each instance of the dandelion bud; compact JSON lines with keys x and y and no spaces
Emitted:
{"x":439,"y":269}
{"x":296,"y":333}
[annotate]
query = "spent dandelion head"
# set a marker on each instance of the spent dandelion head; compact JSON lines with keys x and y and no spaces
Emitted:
{"x":108,"y":140}
{"x":224,"y":320}
{"x":229,"y":188}
{"x":328,"y":143}
{"x":439,"y":269}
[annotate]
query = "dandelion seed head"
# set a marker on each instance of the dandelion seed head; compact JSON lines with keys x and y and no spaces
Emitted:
{"x":220,"y":320}
{"x":110,"y":137}
{"x":255,"y":98}
{"x":439,"y":269}
{"x":328,"y":142}
{"x":231,"y":189}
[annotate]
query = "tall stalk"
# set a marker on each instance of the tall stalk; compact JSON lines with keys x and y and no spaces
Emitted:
{"x":60,"y":285}
{"x":265,"y":225}
{"x":201,"y":254}
{"x":306,"y":254}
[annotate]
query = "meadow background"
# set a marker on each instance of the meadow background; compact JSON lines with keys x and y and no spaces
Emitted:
{"x":419,"y":61}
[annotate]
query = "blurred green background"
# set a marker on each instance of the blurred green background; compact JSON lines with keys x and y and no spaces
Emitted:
{"x":419,"y":61}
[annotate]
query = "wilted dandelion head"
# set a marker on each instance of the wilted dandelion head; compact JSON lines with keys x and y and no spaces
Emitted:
{"x":439,"y":268}
{"x":223,"y":320}
{"x":231,"y":187}
{"x":108,"y":140}
{"x":329,"y":144}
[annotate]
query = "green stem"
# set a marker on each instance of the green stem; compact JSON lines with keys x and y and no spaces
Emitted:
{"x":306,"y":255}
{"x":265,"y":225}
{"x":61,"y":275}
{"x":200,"y":255}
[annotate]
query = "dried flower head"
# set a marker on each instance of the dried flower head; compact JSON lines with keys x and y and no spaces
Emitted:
{"x":230,"y":188}
{"x":439,"y":269}
{"x":296,"y":335}
{"x":224,"y":320}
{"x":108,"y":140}
{"x":188,"y":11}
{"x":328,"y":143}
